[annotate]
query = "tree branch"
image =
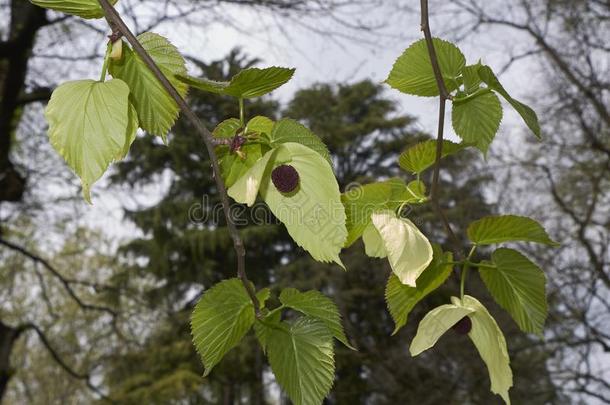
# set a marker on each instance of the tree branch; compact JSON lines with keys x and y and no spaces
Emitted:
{"x":118,"y":26}
{"x":55,"y":355}
{"x":443,"y":97}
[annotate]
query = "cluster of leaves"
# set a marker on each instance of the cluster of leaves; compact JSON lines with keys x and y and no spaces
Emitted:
{"x":92,"y":123}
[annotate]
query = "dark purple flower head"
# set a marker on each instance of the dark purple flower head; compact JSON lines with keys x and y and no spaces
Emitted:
{"x":463,"y":326}
{"x":285,"y":178}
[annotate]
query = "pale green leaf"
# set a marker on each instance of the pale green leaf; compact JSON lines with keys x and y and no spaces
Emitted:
{"x":518,"y":285}
{"x":90,"y":126}
{"x":316,"y":305}
{"x":491,"y":345}
{"x":477,"y":119}
{"x":362,"y":201}
{"x":288,"y":130}
{"x":221,"y":318}
{"x":412,"y":72}
{"x":373,"y":244}
{"x":227,"y":128}
{"x":313,"y":213}
{"x":249,"y":83}
{"x":234,"y":166}
{"x":82,"y":8}
{"x":421,"y":156}
{"x":435,"y":324}
{"x":245,"y":189}
{"x":409,"y":251}
{"x":507,"y":228}
{"x":302,"y":358}
{"x":401,"y":299}
{"x":529,"y":116}
{"x":157,"y":111}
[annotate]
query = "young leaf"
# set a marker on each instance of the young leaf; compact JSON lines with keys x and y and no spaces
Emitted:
{"x":261,"y":125}
{"x":529,"y":116}
{"x":491,"y":345}
{"x":234,"y":166}
{"x":435,"y":324}
{"x":518,"y":285}
{"x":221,"y":318}
{"x":507,"y":228}
{"x":412,"y":72}
{"x":362,"y":201}
{"x":477,"y":119}
{"x":302,"y":358}
{"x":246,"y":187}
{"x":288,"y":130}
{"x":157,"y":111}
{"x":227,"y":128}
{"x":313,"y":213}
{"x":90,"y":126}
{"x":401,"y":299}
{"x":316,"y":305}
{"x":83,"y":8}
{"x":472,"y":80}
{"x":249,"y":83}
{"x":409,"y":251}
{"x":421,"y":156}
{"x":263,"y":327}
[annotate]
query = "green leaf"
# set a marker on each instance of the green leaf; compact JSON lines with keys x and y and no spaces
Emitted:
{"x":472,"y":80}
{"x":90,"y":126}
{"x":302,"y":358}
{"x":83,"y":8}
{"x":249,"y":83}
{"x":362,"y":201}
{"x":262,"y":328}
{"x":412,"y":72}
{"x":221,"y":318}
{"x":234,"y":166}
{"x":157,"y":111}
{"x":435,"y":324}
{"x":421,"y":156}
{"x":316,"y":305}
{"x":401,"y":299}
{"x":261,"y":125}
{"x":313,"y":213}
{"x":507,"y":228}
{"x":477,"y":119}
{"x":491,"y":345}
{"x":518,"y":285}
{"x":227,"y":128}
{"x":529,"y":116}
{"x":288,"y":130}
{"x":409,"y":251}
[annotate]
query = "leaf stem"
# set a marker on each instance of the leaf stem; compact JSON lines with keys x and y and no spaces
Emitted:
{"x":242,"y":112}
{"x":106,"y":61}
{"x":479,"y":92}
{"x":117,"y":25}
{"x":465,"y":269}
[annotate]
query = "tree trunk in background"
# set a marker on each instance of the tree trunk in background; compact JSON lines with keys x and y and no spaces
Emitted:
{"x":8,"y":336}
{"x":26,"y":20}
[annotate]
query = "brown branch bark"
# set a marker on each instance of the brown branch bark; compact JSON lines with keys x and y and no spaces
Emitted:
{"x":118,"y":26}
{"x":443,"y":97}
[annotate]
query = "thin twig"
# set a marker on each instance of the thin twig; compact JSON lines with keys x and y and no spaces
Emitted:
{"x":443,"y":97}
{"x":118,"y":25}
